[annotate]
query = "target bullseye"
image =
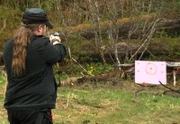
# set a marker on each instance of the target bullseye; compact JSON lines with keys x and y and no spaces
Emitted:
{"x":151,"y":69}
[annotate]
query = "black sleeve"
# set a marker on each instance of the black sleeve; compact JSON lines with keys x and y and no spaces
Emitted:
{"x":50,"y":53}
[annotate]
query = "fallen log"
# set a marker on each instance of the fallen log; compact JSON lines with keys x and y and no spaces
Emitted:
{"x":123,"y":74}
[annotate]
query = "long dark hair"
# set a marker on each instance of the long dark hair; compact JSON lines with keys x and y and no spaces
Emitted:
{"x":22,"y":38}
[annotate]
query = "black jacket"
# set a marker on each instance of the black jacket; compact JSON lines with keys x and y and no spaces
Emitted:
{"x":37,"y":87}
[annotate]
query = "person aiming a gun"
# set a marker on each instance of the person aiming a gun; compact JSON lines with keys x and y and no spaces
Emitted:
{"x":28,"y":58}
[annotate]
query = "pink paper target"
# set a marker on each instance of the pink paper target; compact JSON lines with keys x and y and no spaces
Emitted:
{"x":150,"y":72}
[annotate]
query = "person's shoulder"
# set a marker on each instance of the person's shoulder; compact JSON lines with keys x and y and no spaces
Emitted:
{"x":8,"y":46}
{"x":40,"y":40}
{"x":45,"y":38}
{"x":9,"y":42}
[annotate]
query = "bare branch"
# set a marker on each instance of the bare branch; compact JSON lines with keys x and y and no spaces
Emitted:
{"x":4,"y":26}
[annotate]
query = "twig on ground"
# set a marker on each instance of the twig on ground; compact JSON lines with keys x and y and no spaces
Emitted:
{"x":177,"y":91}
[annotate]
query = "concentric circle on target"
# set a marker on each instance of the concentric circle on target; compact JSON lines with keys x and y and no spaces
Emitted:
{"x":151,"y":69}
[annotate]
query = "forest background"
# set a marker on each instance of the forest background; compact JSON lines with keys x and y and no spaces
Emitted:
{"x":100,"y":36}
{"x":108,"y":32}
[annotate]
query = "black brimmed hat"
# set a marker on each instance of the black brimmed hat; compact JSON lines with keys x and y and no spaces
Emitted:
{"x":36,"y":16}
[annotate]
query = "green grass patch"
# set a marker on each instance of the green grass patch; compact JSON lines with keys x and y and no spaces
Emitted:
{"x":112,"y":105}
{"x":106,"y":104}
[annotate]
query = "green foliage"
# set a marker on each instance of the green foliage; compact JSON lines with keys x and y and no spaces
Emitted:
{"x":176,"y":5}
{"x":2,"y":79}
{"x":74,"y":12}
{"x":76,"y":43}
{"x":99,"y":68}
{"x":73,"y":70}
{"x":9,"y":20}
{"x":160,"y":34}
{"x":4,"y":12}
{"x":2,"y":84}
{"x":173,"y":46}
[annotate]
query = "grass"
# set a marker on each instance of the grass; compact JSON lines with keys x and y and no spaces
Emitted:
{"x":3,"y":114}
{"x":103,"y":103}
{"x":114,"y":105}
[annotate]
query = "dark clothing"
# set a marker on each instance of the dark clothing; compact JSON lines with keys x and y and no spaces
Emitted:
{"x":30,"y":116}
{"x":37,"y":87}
